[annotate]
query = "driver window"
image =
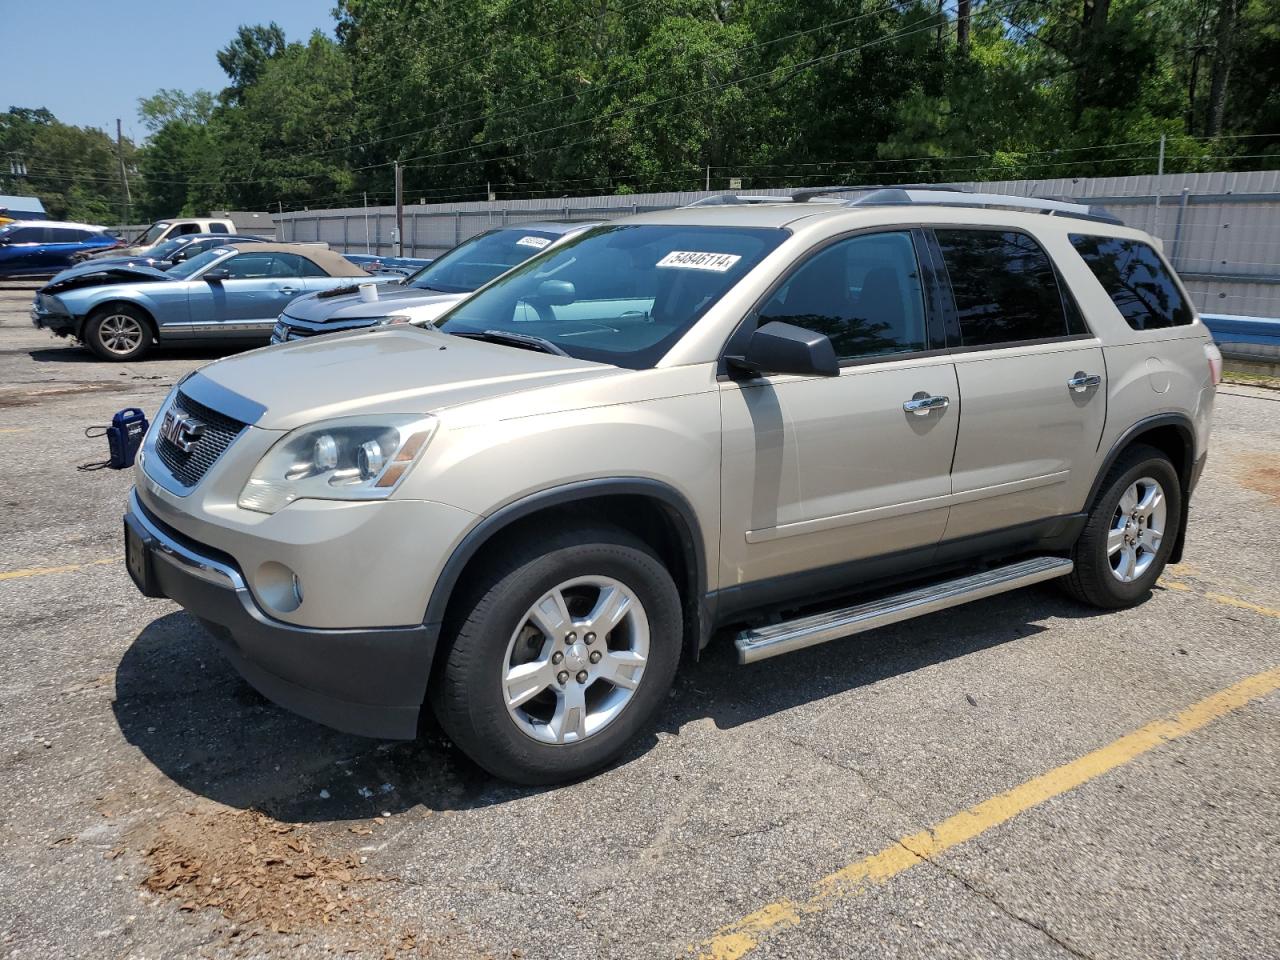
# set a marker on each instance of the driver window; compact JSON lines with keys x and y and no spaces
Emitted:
{"x":863,"y":292}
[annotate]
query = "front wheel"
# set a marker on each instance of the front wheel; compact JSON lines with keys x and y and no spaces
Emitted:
{"x":118,"y":333}
{"x":1130,"y":531}
{"x":560,"y":656}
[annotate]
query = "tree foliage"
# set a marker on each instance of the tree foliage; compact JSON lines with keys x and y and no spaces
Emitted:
{"x":561,"y":97}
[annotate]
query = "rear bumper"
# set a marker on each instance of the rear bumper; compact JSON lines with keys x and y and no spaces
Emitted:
{"x":364,"y":681}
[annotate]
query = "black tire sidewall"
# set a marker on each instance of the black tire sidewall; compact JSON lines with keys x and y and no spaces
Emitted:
{"x":470,"y":704}
{"x":1093,"y":546}
{"x":93,"y":340}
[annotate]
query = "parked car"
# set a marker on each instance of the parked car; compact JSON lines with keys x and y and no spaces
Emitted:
{"x":226,"y":294}
{"x":163,"y":230}
{"x":796,"y":420}
{"x":40,"y":248}
{"x":430,"y":291}
{"x":162,"y":256}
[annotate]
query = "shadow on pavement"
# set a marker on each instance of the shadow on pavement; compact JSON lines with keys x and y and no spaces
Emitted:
{"x":191,"y":715}
{"x":74,"y":352}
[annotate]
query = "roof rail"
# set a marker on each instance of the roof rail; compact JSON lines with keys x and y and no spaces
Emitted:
{"x":959,"y":198}
{"x":804,"y":196}
{"x":733,"y":200}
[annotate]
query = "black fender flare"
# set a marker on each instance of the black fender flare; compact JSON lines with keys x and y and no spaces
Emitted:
{"x":1186,"y":470}
{"x":677,"y":506}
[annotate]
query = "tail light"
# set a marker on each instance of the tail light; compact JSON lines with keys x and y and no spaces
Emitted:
{"x":1214,"y":356}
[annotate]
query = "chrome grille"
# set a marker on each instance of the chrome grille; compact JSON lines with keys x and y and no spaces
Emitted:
{"x":219,"y":430}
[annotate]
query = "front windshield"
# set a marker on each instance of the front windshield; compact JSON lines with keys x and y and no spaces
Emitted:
{"x":163,"y":250}
{"x":472,"y":264}
{"x":154,"y":232}
{"x":185,"y":271}
{"x":619,"y":294}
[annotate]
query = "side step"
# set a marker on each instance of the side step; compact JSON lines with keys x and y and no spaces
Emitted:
{"x":761,"y":643}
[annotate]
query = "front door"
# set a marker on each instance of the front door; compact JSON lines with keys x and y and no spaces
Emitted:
{"x":246,"y":303}
{"x":819,"y":472}
{"x":1033,"y":381}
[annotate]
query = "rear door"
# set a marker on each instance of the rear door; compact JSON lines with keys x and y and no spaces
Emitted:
{"x":1032,"y":377}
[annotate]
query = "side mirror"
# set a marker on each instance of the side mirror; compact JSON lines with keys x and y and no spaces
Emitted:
{"x":779,"y":347}
{"x":217,"y":275}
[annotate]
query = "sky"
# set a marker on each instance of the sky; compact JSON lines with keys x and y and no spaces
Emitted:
{"x":89,"y":61}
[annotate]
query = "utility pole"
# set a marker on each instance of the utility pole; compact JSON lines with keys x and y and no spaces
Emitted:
{"x":124,"y":172}
{"x":368,"y":248}
{"x":708,"y":177}
{"x":399,"y":209}
{"x":1159,"y":178}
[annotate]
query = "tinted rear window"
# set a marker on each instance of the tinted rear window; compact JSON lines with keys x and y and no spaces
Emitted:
{"x":1005,"y":287}
{"x":1136,"y":280}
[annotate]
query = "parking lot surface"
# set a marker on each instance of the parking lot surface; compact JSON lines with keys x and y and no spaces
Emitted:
{"x":1019,"y":777}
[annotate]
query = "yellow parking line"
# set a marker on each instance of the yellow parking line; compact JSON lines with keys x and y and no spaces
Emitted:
{"x":741,"y":937}
{"x":45,"y":571}
{"x":1242,"y":604}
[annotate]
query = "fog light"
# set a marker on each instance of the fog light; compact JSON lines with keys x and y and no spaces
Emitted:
{"x":277,"y":587}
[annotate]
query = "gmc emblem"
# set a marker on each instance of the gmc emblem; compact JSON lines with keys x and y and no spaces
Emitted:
{"x":181,"y":430}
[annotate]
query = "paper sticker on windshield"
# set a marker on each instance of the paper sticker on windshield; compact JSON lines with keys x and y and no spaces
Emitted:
{"x":536,"y":242}
{"x":696,"y":260}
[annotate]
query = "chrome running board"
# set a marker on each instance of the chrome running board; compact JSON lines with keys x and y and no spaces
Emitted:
{"x":761,"y":643}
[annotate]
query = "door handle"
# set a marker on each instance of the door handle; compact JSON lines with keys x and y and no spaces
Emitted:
{"x":288,"y":289}
{"x":922,"y":405}
{"x":1083,"y":381}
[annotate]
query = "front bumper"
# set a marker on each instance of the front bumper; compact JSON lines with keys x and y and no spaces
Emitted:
{"x":62,"y":324}
{"x":364,"y":681}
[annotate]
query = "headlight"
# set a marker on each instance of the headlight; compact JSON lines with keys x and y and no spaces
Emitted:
{"x":355,"y":458}
{"x":394,"y":318}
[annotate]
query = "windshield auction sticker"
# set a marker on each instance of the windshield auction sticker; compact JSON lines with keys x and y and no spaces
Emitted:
{"x":537,"y":242}
{"x":695,"y":260}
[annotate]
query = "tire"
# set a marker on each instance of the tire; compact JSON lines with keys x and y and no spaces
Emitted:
{"x":118,"y":333}
{"x":561,"y":730}
{"x":1115,"y":566}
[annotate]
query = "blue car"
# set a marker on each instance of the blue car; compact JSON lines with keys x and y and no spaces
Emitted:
{"x":41,"y":248}
{"x":230,"y":294}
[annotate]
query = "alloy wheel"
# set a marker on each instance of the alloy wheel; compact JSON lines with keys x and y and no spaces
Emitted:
{"x":575,"y":659}
{"x":120,"y":333}
{"x":1137,"y":529}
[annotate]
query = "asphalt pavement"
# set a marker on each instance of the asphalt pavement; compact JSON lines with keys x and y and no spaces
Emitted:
{"x":1019,"y":777}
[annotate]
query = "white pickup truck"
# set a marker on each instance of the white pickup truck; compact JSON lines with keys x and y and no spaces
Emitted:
{"x":167,"y":229}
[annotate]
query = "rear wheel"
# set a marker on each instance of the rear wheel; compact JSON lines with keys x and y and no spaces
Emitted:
{"x":118,"y":332}
{"x":560,"y":656}
{"x":1130,"y":531}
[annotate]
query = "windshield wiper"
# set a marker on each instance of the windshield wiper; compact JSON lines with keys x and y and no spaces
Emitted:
{"x":524,"y":341}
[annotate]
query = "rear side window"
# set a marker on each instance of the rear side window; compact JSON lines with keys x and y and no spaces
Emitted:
{"x":1004,"y":285}
{"x":217,"y":228}
{"x":68,"y":235}
{"x":1136,"y":280}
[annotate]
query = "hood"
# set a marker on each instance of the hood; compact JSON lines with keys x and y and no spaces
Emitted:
{"x":400,"y":369}
{"x":132,"y":250}
{"x":392,"y":298}
{"x":97,"y":275}
{"x":96,"y":266}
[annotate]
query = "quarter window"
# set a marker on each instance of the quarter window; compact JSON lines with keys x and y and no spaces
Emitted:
{"x":1136,"y":280}
{"x":1005,"y":287}
{"x":863,"y":292}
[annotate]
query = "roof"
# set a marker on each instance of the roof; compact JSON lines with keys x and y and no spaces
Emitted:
{"x":334,"y":264}
{"x":21,"y":204}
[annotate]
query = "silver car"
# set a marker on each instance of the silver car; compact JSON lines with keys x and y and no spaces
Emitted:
{"x":428,"y":292}
{"x":797,"y":420}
